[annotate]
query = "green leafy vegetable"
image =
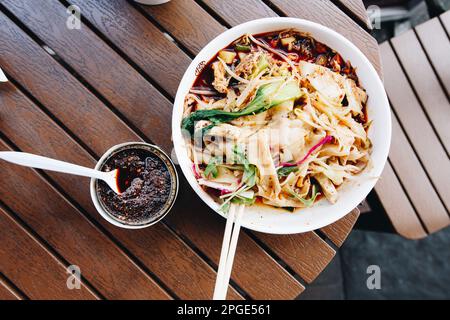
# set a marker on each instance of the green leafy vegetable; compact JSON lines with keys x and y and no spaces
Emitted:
{"x":244,"y":201}
{"x":285,"y":171}
{"x":267,"y":96}
{"x":225,"y":207}
{"x":243,"y":195}
{"x":242,"y":47}
{"x":306,"y":202}
{"x":211,"y":168}
{"x":260,"y":67}
{"x":249,"y":177}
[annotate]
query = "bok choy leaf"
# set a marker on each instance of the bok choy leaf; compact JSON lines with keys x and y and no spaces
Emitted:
{"x":267,"y":96}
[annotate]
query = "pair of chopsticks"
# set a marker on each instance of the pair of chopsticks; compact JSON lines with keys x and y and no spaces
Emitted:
{"x":229,"y":245}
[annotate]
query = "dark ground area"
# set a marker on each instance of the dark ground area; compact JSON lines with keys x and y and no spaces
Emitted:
{"x":409,"y":269}
{"x":399,"y":16}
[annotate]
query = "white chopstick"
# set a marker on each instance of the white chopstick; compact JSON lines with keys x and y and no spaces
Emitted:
{"x":2,"y":76}
{"x":229,"y":246}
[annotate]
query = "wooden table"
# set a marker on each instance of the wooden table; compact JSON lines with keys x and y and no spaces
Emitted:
{"x":75,"y":93}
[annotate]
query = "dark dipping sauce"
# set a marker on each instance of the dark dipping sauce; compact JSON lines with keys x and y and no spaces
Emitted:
{"x":145,"y":183}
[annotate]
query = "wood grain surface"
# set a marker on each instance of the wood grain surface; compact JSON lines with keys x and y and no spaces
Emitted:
{"x":250,"y":262}
{"x":81,"y":194}
{"x":239,"y":11}
{"x":356,"y":7}
{"x":31,"y":267}
{"x":6,"y":295}
{"x":70,"y":234}
{"x":139,"y":39}
{"x":171,"y":260}
{"x":445,"y":18}
{"x":419,"y":188}
{"x":187,"y":22}
{"x":61,"y":93}
{"x":436,"y":43}
{"x":416,"y":125}
{"x":339,"y":231}
{"x":398,"y":206}
{"x":307,"y":254}
{"x":425,"y":82}
{"x":109,"y":82}
{"x":8,"y":292}
{"x":417,"y":87}
{"x":93,"y":59}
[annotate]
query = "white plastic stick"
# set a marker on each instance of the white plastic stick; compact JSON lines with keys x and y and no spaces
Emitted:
{"x":39,"y":162}
{"x":231,"y":253}
{"x":224,"y":252}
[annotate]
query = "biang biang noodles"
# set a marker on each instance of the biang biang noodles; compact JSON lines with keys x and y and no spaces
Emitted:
{"x":278,"y":119}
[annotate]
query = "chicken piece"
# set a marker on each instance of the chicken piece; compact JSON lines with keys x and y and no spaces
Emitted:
{"x":221,"y":80}
{"x":287,"y":138}
{"x":328,"y":83}
{"x":356,"y":97}
{"x":328,"y":188}
{"x":283,"y":202}
{"x":259,"y":154}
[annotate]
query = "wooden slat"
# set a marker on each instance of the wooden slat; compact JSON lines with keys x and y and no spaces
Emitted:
{"x":358,"y":10}
{"x":28,"y":63}
{"x":77,"y":240}
{"x":307,"y":254}
{"x":252,"y":266}
{"x":7,"y":292}
{"x":437,"y":46}
{"x":156,"y":247}
{"x":425,"y":82}
{"x":416,"y":125}
{"x":339,"y":231}
{"x":187,"y":22}
{"x":326,"y":13}
{"x":123,"y":86}
{"x":239,"y":11}
{"x":31,"y":267}
{"x":445,"y":18}
{"x":136,"y":36}
{"x":422,"y":194}
{"x":397,"y":205}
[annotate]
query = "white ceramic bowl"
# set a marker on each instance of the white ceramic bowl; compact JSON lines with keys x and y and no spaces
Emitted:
{"x":279,"y":221}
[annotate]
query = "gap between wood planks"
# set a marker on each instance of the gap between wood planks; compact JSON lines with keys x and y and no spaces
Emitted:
{"x":9,"y":285}
{"x":416,"y":95}
{"x":41,"y":242}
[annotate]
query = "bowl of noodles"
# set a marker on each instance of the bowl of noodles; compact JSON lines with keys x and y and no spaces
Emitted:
{"x":286,"y":117}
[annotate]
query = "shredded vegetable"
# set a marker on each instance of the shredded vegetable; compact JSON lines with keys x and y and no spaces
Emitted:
{"x":321,"y":143}
{"x":282,"y":119}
